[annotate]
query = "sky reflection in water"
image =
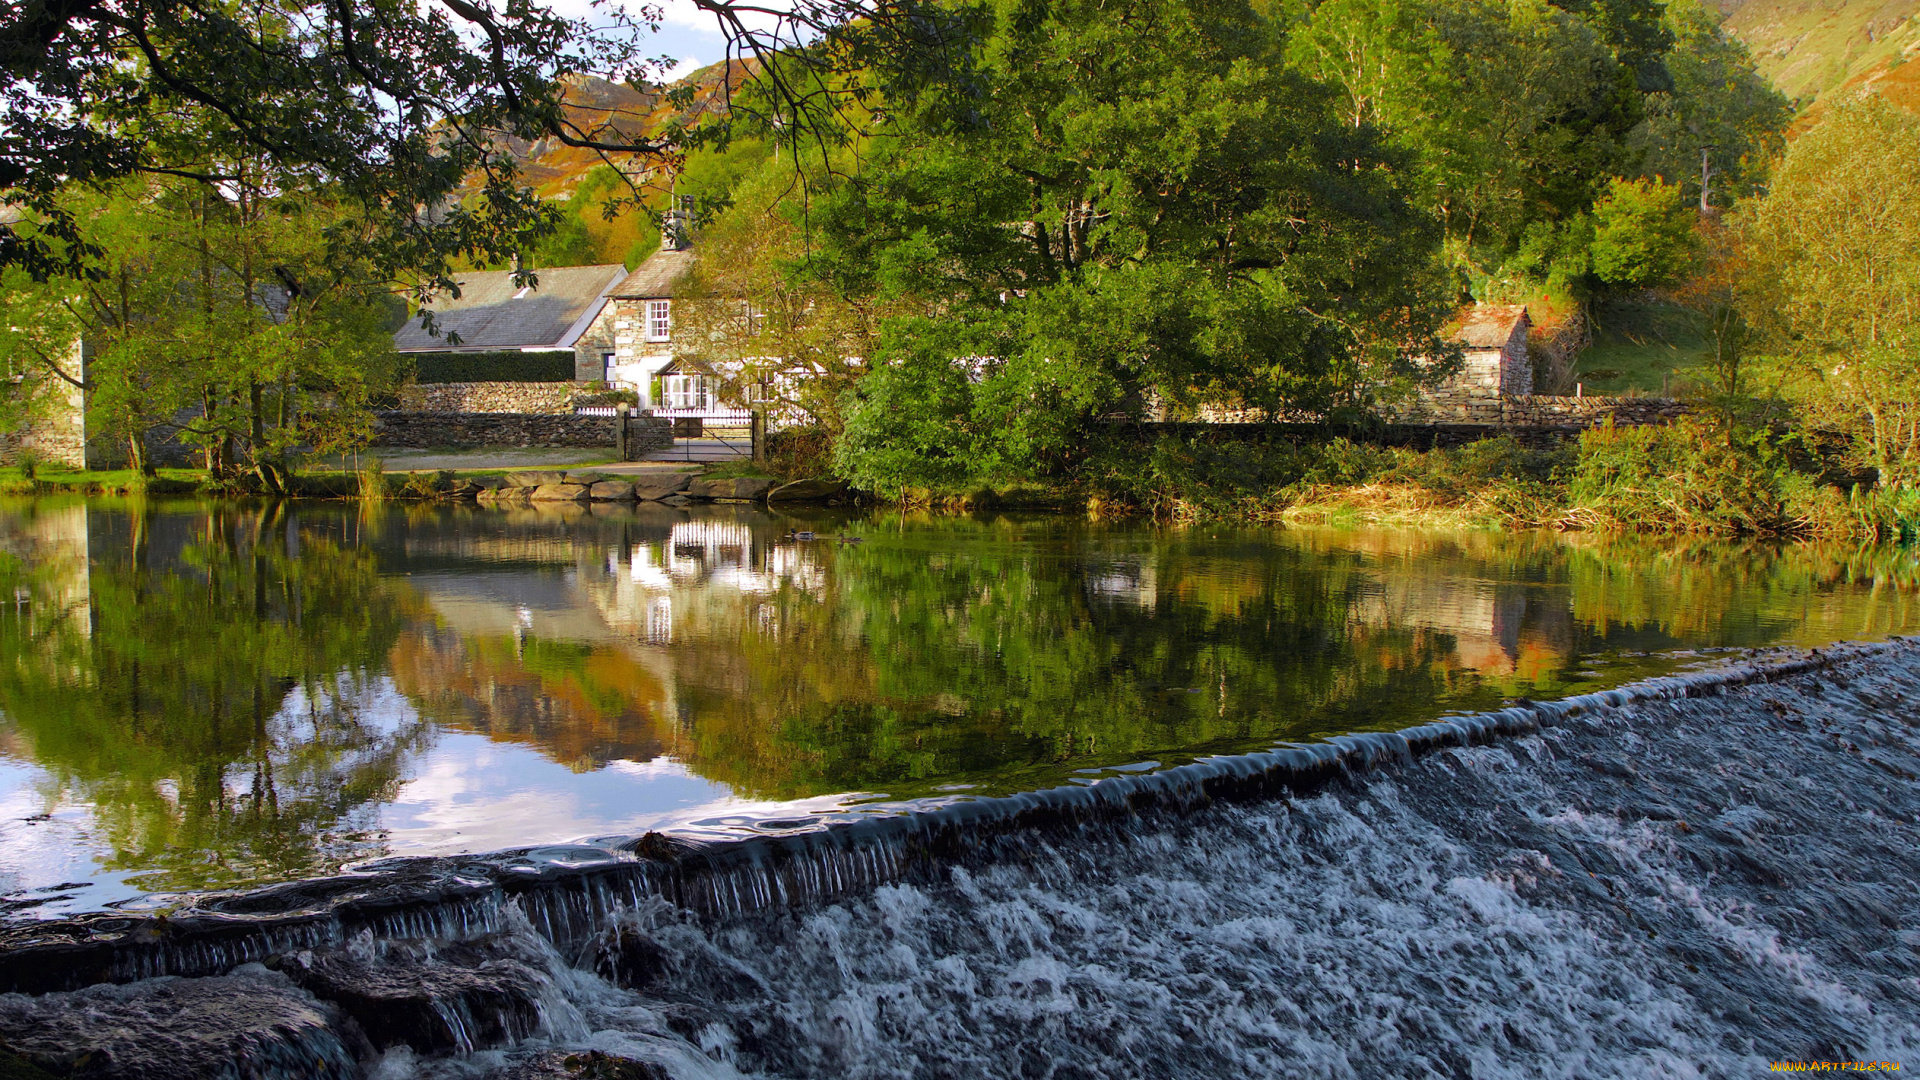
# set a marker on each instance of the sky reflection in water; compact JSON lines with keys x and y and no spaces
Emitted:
{"x":212,"y":695}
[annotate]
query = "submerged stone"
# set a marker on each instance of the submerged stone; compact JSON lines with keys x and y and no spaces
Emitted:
{"x":612,"y":491}
{"x":427,"y":1004}
{"x":560,"y":493}
{"x":744,"y":488}
{"x":628,"y":957}
{"x":661,"y":487}
{"x":250,"y":1025}
{"x":809,"y":490}
{"x":585,"y":1065}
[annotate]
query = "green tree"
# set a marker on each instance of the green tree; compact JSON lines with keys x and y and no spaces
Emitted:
{"x":598,"y":223}
{"x":222,"y":314}
{"x":1518,"y":113}
{"x":1148,"y":203}
{"x":1504,"y":104}
{"x":753,"y":317}
{"x":1834,"y":287}
{"x":402,"y":107}
{"x":1643,"y":234}
{"x":1720,"y":106}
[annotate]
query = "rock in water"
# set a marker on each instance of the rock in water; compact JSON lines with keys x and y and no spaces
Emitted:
{"x":742,"y":489}
{"x":661,"y":487}
{"x":429,"y":1005}
{"x":560,"y":493}
{"x":808,"y":490}
{"x":251,"y":1024}
{"x":589,"y":1065}
{"x":611,"y":491}
{"x":628,"y":957}
{"x":533,"y":478}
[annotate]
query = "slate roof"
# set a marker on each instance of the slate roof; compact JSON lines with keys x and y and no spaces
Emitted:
{"x":1488,"y":326}
{"x":490,"y":313}
{"x":656,"y":278}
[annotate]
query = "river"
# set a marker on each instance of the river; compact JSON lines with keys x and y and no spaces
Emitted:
{"x":202,"y":699}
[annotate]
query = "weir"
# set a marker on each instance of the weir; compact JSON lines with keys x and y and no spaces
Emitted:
{"x":568,"y":894}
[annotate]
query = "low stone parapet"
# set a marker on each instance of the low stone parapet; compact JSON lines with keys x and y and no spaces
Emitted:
{"x":1540,"y":410}
{"x":527,"y":398}
{"x":431,"y":430}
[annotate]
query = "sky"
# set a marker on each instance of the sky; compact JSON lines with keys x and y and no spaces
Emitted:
{"x":689,"y":36}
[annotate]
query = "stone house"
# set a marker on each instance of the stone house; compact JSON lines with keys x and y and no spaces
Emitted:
{"x":560,"y":312}
{"x":1493,"y":338}
{"x":618,"y":325}
{"x":639,"y":321}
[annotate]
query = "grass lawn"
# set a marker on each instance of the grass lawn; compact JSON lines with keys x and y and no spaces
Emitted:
{"x":61,"y":478}
{"x":1640,"y":347}
{"x":337,"y":476}
{"x":740,"y":469}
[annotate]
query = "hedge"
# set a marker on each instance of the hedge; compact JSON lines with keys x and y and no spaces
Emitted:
{"x":492,"y":367}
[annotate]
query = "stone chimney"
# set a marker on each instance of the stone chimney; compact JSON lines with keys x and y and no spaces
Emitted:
{"x":676,"y":230}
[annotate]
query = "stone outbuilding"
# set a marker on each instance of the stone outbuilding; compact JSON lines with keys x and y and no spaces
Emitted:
{"x":1494,"y":340}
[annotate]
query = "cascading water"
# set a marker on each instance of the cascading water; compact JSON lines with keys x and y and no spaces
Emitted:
{"x":1694,"y":877}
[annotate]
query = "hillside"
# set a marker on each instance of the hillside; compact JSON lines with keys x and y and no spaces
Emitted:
{"x":1810,"y":48}
{"x":556,"y":169}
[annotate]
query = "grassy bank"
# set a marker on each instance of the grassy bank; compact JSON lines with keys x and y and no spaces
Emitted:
{"x":1688,"y":478}
{"x":332,"y":482}
{"x":1692,"y":478}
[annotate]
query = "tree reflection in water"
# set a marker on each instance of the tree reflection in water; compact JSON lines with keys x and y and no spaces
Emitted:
{"x":217,"y":692}
{"x":250,"y":693}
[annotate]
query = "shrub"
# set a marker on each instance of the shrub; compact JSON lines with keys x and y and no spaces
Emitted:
{"x":1643,"y":234}
{"x":603,"y":396}
{"x":373,"y":479}
{"x":1463,"y":471}
{"x":1685,"y":477}
{"x":800,"y":452}
{"x":909,"y":421}
{"x":449,"y":367}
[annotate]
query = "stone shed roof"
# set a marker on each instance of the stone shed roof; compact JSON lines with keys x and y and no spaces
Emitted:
{"x":656,"y":278}
{"x":1488,"y":326}
{"x":494,"y":313}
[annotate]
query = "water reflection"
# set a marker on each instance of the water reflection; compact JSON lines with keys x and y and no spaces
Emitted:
{"x":204,"y":695}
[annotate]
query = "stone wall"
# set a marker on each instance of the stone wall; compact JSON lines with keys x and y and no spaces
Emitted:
{"x":1484,"y":408}
{"x":1539,"y":410}
{"x":431,"y":430}
{"x":590,"y":351}
{"x":57,"y":433}
{"x":544,"y":398}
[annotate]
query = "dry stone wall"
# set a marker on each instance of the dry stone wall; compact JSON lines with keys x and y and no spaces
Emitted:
{"x":544,"y":398}
{"x":1484,"y":408}
{"x":430,"y":430}
{"x":1540,"y":410}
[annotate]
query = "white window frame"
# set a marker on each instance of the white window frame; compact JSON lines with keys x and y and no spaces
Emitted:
{"x":659,"y":320}
{"x":683,"y":392}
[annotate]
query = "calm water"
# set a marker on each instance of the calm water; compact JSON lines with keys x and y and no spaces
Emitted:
{"x":208,"y":695}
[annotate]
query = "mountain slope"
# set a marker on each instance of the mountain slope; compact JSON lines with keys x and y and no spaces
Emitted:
{"x":1810,"y":48}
